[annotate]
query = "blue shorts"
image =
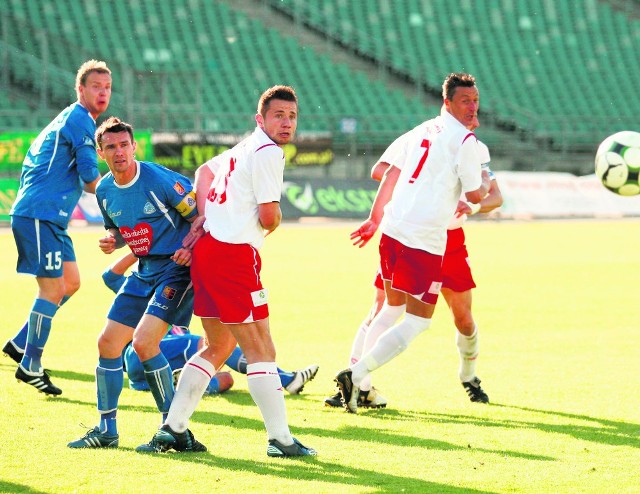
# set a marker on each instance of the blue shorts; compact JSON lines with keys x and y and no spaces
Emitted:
{"x":43,"y":247}
{"x":176,"y":348}
{"x":161,"y":288}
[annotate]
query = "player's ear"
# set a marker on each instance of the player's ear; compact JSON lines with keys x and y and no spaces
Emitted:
{"x":260,"y":120}
{"x":100,"y":153}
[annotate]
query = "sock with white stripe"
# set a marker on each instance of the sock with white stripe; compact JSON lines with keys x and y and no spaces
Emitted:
{"x":109,"y":381}
{"x":194,"y":379}
{"x":158,"y":375}
{"x":267,"y":392}
{"x":38,"y":331}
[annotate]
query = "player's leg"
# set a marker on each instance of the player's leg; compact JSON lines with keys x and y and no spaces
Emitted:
{"x":42,"y":258}
{"x":457,"y":283}
{"x":109,"y":380}
{"x":265,"y":387}
{"x":412,"y":271}
{"x":43,"y":249}
{"x":467,"y":341}
{"x":198,"y":372}
{"x":157,"y":371}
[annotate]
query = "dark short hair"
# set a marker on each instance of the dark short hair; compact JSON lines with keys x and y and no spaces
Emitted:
{"x":112,"y":125}
{"x":285,"y":93}
{"x":455,"y":80}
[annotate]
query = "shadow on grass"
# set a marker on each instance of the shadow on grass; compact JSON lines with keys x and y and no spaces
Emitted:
{"x":10,"y":487}
{"x":319,"y":473}
{"x":603,"y":431}
{"x":345,"y":433}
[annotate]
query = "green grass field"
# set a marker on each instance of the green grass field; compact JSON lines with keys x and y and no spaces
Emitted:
{"x":557,"y":306}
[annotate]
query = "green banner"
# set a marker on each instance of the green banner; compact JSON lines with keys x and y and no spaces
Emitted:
{"x":8,"y":191}
{"x":14,"y":147}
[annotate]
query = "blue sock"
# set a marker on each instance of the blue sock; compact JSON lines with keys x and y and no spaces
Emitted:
{"x":38,"y":333}
{"x":158,"y":375}
{"x":237,"y":361}
{"x":64,"y":300}
{"x":20,"y":339}
{"x":109,"y":380}
{"x":285,"y":377}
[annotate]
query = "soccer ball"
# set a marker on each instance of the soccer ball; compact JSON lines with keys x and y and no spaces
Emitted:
{"x":618,"y":163}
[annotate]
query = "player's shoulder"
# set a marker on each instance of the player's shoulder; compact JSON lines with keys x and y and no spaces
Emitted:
{"x":262,"y":144}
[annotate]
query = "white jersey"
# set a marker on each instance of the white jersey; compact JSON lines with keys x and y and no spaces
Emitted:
{"x":246,"y":175}
{"x":439,"y":160}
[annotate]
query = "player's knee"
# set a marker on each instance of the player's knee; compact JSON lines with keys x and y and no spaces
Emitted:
{"x":465,"y":324}
{"x":71,"y":288}
{"x":107,"y":346}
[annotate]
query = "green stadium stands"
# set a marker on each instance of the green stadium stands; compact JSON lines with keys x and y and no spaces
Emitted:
{"x":561,"y":71}
{"x":549,"y":67}
{"x":194,"y":64}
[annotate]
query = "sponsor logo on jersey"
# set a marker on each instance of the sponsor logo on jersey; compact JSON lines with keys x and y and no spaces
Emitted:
{"x":168,"y":292}
{"x":179,"y":188}
{"x":114,"y":214}
{"x":138,"y":238}
{"x":149,"y":208}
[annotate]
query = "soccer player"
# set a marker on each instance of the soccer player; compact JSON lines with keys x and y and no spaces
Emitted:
{"x":240,"y":199}
{"x":60,"y":163}
{"x":456,"y":289}
{"x":149,"y":208}
{"x":442,"y":161}
{"x":179,"y":345}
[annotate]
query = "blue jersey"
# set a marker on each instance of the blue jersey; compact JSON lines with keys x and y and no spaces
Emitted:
{"x":58,"y":163}
{"x":151,"y":211}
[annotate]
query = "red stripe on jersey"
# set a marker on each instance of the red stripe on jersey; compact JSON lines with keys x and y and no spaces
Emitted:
{"x":265,"y":146}
{"x":467,"y":136}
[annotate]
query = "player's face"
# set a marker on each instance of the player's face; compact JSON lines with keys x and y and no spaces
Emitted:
{"x":118,"y":150}
{"x":96,"y":93}
{"x":464,"y":105}
{"x":280,"y":120}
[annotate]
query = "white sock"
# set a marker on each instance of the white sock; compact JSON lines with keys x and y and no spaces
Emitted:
{"x":386,"y":317}
{"x":469,"y":348}
{"x":266,"y":390}
{"x":194,"y":379}
{"x":358,"y":342}
{"x":392,"y":343}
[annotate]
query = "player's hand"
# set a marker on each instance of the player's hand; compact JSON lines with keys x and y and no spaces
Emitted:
{"x":195,"y":233}
{"x":182,"y":257}
{"x":463,"y":208}
{"x":364,"y":233}
{"x":107,"y":244}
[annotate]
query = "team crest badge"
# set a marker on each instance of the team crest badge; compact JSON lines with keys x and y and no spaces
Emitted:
{"x":149,"y":208}
{"x":179,"y":188}
{"x":168,"y":292}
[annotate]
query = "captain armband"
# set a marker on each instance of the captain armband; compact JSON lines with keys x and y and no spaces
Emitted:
{"x":187,"y":205}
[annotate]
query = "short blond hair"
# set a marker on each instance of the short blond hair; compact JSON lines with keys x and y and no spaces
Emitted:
{"x":87,"y":68}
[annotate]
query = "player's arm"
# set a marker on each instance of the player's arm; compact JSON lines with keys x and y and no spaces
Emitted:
{"x":111,"y":241}
{"x":493,"y":199}
{"x":475,"y":196}
{"x":378,"y":170}
{"x":270,"y":215}
{"x":91,"y":186}
{"x":365,"y":232}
